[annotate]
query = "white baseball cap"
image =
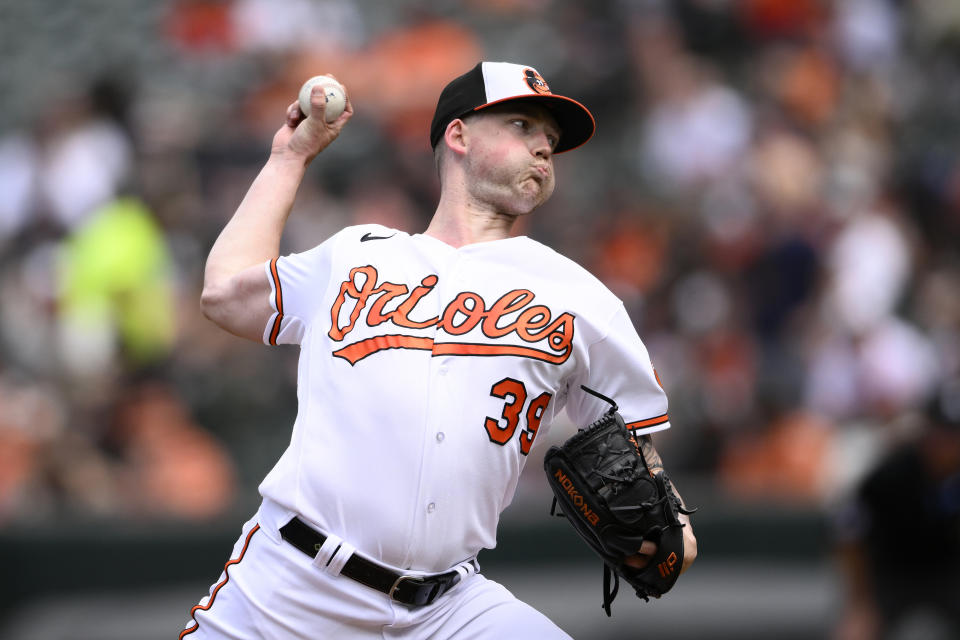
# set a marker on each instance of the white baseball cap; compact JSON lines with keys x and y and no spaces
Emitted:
{"x":492,"y":83}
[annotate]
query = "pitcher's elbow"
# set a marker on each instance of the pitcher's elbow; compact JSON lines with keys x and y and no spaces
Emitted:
{"x":212,"y":299}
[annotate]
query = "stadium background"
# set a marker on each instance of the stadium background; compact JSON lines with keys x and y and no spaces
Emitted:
{"x":773,"y":189}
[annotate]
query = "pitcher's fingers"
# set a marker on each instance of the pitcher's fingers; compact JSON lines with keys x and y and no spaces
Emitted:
{"x":643,"y":556}
{"x":294,"y":117}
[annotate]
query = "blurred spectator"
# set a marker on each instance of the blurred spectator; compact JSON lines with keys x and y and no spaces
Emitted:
{"x":868,"y":266}
{"x":147,"y":459}
{"x":85,"y":157}
{"x":393,"y":79}
{"x":899,"y":537}
{"x":168,"y":464}
{"x":782,"y":19}
{"x":31,"y":418}
{"x":383,"y":84}
{"x":805,"y":80}
{"x":786,"y":174}
{"x":312,"y":27}
{"x":28,"y":328}
{"x":201,"y":26}
{"x":696,"y":126}
{"x":867,"y":33}
{"x":787,"y":461}
{"x":879,"y":373}
{"x":630,"y":255}
{"x":116,"y":305}
{"x":19,"y":173}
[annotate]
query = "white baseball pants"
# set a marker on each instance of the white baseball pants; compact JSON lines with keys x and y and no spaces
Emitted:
{"x":271,"y":590}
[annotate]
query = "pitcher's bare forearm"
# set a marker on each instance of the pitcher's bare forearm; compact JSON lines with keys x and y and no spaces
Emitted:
{"x":236,"y":291}
{"x":655,"y":465}
{"x":650,"y":455}
{"x":235,"y":286}
{"x":654,"y":461}
{"x":252,"y":236}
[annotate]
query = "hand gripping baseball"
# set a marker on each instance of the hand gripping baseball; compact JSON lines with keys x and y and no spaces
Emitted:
{"x":304,"y":137}
{"x":608,"y":492}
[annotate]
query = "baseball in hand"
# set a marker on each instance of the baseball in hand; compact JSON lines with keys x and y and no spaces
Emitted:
{"x":333,"y":91}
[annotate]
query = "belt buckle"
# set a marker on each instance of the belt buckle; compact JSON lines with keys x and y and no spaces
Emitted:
{"x":419,"y":581}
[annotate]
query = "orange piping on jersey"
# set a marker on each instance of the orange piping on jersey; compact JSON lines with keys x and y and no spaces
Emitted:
{"x":650,"y":422}
{"x":656,"y":375}
{"x":353,"y":353}
{"x":275,"y":330}
{"x":213,"y":595}
{"x":468,"y":349}
{"x":357,"y":351}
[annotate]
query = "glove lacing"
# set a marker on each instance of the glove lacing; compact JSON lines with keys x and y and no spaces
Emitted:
{"x":608,"y":593}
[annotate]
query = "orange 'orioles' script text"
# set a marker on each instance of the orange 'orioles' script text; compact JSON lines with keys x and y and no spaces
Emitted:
{"x":541,"y":335}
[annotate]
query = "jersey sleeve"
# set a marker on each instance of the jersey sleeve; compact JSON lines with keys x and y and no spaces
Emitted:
{"x":618,"y":366}
{"x":297,"y":285}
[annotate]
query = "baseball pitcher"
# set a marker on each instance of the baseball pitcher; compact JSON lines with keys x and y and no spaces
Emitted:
{"x":429,"y":365}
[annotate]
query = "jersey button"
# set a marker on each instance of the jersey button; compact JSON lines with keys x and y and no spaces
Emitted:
{"x":440,"y":436}
{"x":431,"y":507}
{"x":442,"y":370}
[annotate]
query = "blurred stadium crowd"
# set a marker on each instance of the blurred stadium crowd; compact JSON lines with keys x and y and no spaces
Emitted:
{"x":773,"y":190}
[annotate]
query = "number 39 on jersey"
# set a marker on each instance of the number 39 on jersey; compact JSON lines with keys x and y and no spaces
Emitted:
{"x":514,"y":394}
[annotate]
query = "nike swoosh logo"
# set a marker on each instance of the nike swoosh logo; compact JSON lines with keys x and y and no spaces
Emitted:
{"x":370,"y":236}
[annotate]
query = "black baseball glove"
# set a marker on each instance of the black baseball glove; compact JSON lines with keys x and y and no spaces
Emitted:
{"x":603,"y":486}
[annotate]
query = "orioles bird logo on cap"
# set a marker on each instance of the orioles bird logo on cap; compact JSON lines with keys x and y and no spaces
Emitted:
{"x":535,"y":81}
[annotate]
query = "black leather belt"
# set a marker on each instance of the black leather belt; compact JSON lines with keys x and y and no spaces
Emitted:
{"x":406,"y":589}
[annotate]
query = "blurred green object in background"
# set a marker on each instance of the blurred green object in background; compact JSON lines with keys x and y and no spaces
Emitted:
{"x":116,"y":279}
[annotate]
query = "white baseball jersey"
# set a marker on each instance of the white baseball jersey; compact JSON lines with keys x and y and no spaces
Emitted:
{"x":426,"y":374}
